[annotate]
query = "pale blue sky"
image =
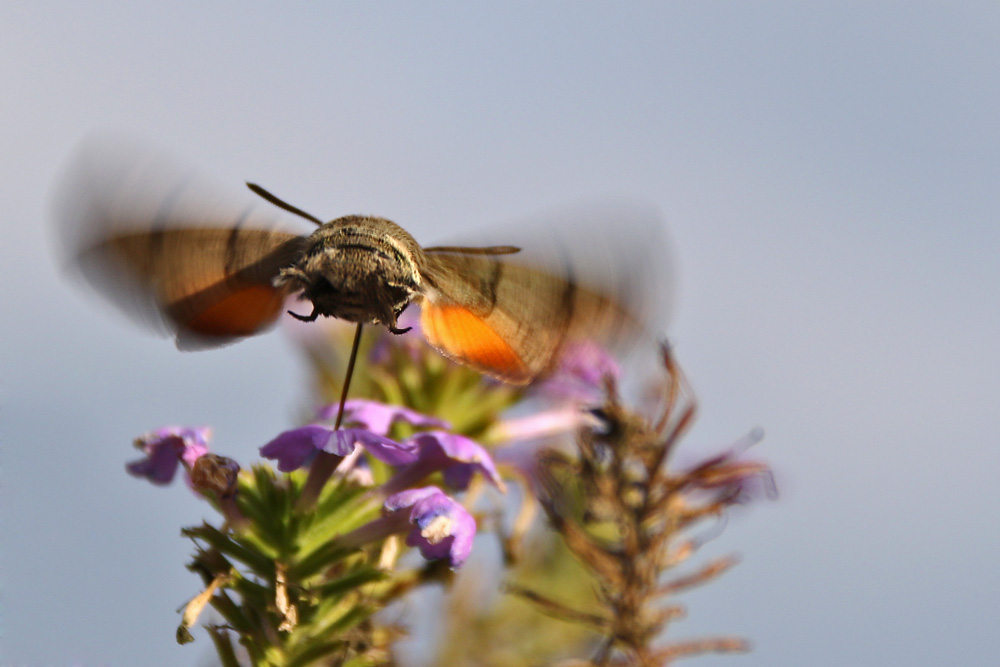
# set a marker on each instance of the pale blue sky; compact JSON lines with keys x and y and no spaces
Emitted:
{"x":830,"y":173}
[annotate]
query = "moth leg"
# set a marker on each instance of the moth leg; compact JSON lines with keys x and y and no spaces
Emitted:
{"x":311,"y":317}
{"x":389,"y":318}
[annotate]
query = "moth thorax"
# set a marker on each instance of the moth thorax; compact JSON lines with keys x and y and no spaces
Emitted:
{"x":359,"y":269}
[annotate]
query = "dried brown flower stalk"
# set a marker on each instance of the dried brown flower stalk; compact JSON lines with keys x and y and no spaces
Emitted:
{"x":625,"y":515}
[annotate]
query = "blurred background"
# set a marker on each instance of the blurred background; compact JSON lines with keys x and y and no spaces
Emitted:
{"x":830,"y":175}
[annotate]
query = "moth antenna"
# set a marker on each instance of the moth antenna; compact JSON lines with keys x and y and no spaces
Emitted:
{"x":462,"y":250}
{"x":280,"y":203}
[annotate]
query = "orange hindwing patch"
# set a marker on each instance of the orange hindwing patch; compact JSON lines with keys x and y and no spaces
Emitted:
{"x":240,"y":313}
{"x":466,"y":338}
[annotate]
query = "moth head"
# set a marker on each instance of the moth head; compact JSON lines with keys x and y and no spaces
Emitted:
{"x":360,"y":269}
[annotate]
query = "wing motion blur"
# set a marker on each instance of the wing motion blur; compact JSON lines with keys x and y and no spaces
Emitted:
{"x":176,"y":254}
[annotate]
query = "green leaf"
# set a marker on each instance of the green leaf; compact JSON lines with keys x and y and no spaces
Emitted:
{"x":223,"y":645}
{"x":350,"y":582}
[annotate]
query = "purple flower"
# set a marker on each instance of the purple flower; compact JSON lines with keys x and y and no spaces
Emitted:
{"x":457,"y":457}
{"x":297,"y":447}
{"x":560,"y":421}
{"x":167,"y":447}
{"x":378,"y":417}
{"x":442,"y":527}
{"x":358,"y":471}
{"x":580,"y":375}
{"x":435,"y":523}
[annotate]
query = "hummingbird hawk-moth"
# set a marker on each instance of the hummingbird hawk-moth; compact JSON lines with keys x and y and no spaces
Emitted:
{"x":171,"y":252}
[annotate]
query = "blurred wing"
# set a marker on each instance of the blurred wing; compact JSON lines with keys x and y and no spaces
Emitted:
{"x":599,"y":274}
{"x":208,"y":285}
{"x":166,"y":249}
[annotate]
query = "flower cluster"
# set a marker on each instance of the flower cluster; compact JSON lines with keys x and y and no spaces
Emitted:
{"x":310,"y":551}
{"x":440,"y":519}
